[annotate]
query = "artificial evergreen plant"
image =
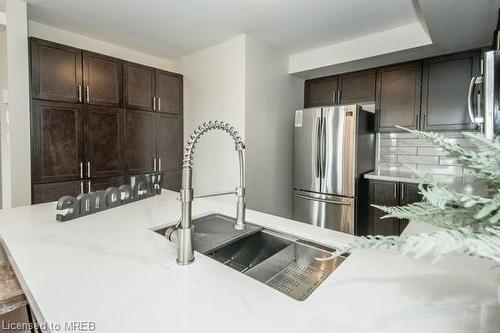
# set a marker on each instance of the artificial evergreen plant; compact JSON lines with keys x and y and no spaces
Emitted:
{"x":470,"y":223}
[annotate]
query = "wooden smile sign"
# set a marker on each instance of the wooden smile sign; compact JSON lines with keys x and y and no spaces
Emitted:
{"x":141,"y":187}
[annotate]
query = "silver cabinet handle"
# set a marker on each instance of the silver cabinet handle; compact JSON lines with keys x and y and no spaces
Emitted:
{"x":81,"y":170}
{"x":343,"y":203}
{"x":89,"y":187}
{"x":395,"y":191}
{"x":79,"y":93}
{"x":81,"y":187}
{"x":87,"y":94}
{"x":88,"y":169}
{"x":338,"y":96}
{"x":159,"y":103}
{"x":154,"y":164}
{"x":334,"y":97}
{"x":154,"y":102}
{"x":159,"y":163}
{"x":402,"y":191}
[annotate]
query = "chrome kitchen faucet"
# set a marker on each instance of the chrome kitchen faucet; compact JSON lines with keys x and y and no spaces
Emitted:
{"x":185,"y":252}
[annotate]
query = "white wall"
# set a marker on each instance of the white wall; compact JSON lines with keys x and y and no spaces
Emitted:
{"x":3,"y":59}
{"x":271,"y":97}
{"x":246,"y":83}
{"x":3,"y":88}
{"x":18,"y":140}
{"x":46,"y":32}
{"x":214,"y":89}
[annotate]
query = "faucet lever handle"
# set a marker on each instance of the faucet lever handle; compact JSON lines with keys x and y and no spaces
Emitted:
{"x":215,"y":194}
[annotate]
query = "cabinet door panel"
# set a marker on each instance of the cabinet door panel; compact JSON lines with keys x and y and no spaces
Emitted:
{"x":409,"y":194}
{"x":57,"y":141}
{"x":445,"y":87}
{"x":172,"y":180}
{"x":168,"y":129}
{"x":318,"y":92}
{"x":169,"y":92}
{"x":385,"y":194}
{"x":56,"y":71}
{"x":139,"y":86}
{"x":140,"y":143}
{"x":101,"y":184}
{"x":103,"y":141}
{"x":357,"y":87}
{"x":398,"y":96}
{"x":102,"y":78}
{"x":53,"y":191}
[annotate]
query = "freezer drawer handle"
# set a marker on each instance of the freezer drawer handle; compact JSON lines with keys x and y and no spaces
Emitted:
{"x":343,"y":203}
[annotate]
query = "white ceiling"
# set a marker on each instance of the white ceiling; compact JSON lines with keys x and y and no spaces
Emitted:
{"x":173,"y":28}
{"x":452,"y":25}
{"x":300,"y":28}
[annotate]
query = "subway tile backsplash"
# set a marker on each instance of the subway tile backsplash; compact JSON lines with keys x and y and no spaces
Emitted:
{"x":431,"y":151}
{"x":432,"y":160}
{"x":398,"y":151}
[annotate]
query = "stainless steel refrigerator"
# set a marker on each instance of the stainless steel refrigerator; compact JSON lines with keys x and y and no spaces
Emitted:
{"x":333,"y":147}
{"x":483,"y":100}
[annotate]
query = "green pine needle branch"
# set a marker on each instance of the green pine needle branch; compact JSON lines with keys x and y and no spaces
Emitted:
{"x":470,"y":223}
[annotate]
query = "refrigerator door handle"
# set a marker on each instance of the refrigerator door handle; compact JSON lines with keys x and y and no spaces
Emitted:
{"x":343,"y":203}
{"x":479,"y":120}
{"x":318,"y":148}
{"x":323,"y":146}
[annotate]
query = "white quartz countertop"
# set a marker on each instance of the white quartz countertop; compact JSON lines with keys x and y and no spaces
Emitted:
{"x":111,"y":269}
{"x":458,"y":183}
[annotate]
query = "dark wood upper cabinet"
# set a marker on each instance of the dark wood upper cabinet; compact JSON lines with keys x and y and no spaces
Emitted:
{"x":168,"y":133}
{"x":347,"y":88}
{"x":103,"y":142}
{"x":102,"y":79}
{"x":139,"y":86}
{"x":445,"y":87}
{"x":168,"y":92}
{"x":90,"y":128}
{"x":356,"y":87}
{"x":140,"y":141}
{"x":56,"y":71}
{"x":398,"y":96}
{"x":57,"y":141}
{"x":319,"y":92}
{"x":53,"y":191}
{"x":383,"y":193}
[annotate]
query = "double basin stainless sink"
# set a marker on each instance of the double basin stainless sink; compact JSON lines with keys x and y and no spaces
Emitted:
{"x":292,"y":266}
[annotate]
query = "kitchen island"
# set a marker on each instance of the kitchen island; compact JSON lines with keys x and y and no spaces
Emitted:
{"x":110,"y":268}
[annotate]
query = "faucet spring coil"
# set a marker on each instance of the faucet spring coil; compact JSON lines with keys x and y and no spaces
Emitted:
{"x":204,"y":128}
